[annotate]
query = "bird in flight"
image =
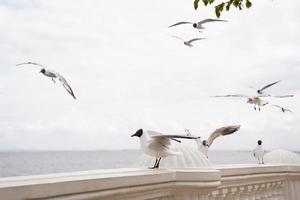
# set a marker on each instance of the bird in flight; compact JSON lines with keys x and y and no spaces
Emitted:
{"x":199,"y":25}
{"x":188,"y":42}
{"x":53,"y":75}
{"x":205,"y":144}
{"x":261,"y":90}
{"x":256,"y":100}
{"x":282,"y":109}
{"x":158,"y":145}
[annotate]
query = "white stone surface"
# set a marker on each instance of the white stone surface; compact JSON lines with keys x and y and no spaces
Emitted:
{"x":282,"y":156}
{"x":226,"y":183}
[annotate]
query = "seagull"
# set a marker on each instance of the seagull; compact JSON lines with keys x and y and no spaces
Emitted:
{"x":256,"y":100}
{"x":188,"y":42}
{"x":53,"y":75}
{"x":282,"y":109}
{"x":205,"y":144}
{"x":261,"y":91}
{"x":157,"y":144}
{"x":199,"y":25}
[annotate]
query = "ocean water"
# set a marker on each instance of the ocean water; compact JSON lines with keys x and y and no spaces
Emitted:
{"x":45,"y":162}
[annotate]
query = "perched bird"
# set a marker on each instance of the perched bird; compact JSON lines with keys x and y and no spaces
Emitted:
{"x":259,"y":152}
{"x":199,"y":25}
{"x":261,"y":91}
{"x":158,"y":145}
{"x":282,"y":109}
{"x":205,"y":144}
{"x":53,"y":75}
{"x":188,"y":42}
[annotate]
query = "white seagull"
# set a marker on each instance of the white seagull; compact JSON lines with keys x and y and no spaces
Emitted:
{"x":53,"y":75}
{"x":282,"y":109}
{"x":205,"y":144}
{"x":261,"y":91}
{"x":188,"y":42}
{"x":256,"y":100}
{"x":157,"y":144}
{"x":199,"y":25}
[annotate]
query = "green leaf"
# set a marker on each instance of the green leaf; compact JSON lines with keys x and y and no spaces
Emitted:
{"x":196,"y":2}
{"x":211,"y":1}
{"x":217,"y":11}
{"x":236,"y":3}
{"x":205,"y":2}
{"x":248,"y":4}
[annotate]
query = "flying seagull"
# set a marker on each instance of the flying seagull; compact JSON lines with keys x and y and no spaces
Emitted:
{"x":188,"y":42}
{"x":261,"y":91}
{"x":53,"y":75}
{"x":157,"y":144}
{"x":256,"y":100}
{"x":282,"y":109}
{"x":199,"y":25}
{"x":205,"y":144}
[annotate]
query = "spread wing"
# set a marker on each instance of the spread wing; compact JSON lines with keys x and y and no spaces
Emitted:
{"x":282,"y":108}
{"x":195,"y":39}
{"x":175,"y":136}
{"x":65,"y":84}
{"x":232,"y":95}
{"x":179,"y":38}
{"x":227,"y":130}
{"x":269,"y":85}
{"x":211,"y":20}
{"x":30,"y":63}
{"x":179,"y":23}
{"x":283,"y":96}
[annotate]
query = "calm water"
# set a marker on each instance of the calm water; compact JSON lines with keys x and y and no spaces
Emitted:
{"x":43,"y":162}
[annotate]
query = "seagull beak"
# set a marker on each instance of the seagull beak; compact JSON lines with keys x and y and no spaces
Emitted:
{"x":134,"y":135}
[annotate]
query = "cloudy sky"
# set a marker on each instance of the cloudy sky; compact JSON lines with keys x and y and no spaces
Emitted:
{"x":128,"y":73}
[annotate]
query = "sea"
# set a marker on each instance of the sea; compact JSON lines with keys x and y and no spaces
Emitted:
{"x":23,"y":163}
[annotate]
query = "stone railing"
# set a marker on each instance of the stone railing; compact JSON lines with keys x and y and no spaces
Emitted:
{"x":228,"y":182}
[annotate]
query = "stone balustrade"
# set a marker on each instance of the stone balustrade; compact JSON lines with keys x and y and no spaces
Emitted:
{"x":240,"y":182}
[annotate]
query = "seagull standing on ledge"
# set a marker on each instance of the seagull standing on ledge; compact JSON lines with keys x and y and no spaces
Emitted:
{"x":53,"y":75}
{"x":199,"y":25}
{"x":158,"y":145}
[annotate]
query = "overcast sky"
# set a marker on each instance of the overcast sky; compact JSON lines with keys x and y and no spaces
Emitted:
{"x":128,"y":73}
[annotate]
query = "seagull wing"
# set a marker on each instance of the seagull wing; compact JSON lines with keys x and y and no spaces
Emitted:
{"x":65,"y":84}
{"x":179,"y":23}
{"x":179,"y":38}
{"x":269,"y":85}
{"x":232,"y":95}
{"x":174,"y":136}
{"x":29,"y":63}
{"x":211,"y":20}
{"x":195,"y":39}
{"x":227,"y":130}
{"x":282,"y":96}
{"x":277,"y":106}
{"x":282,"y":108}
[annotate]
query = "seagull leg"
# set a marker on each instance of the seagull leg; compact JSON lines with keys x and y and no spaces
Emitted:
{"x":259,"y":108}
{"x":157,"y":165}
{"x":156,"y":160}
{"x":254,"y":107}
{"x":53,"y":80}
